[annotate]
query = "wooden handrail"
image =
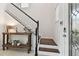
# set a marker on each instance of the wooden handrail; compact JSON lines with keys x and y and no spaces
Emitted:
{"x":37,"y":39}
{"x":24,"y":13}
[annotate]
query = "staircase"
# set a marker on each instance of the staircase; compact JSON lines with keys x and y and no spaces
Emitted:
{"x":43,"y":46}
{"x":48,"y":47}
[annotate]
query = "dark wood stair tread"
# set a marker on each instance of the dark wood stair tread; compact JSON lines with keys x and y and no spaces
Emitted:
{"x":49,"y":50}
{"x":47,"y":41}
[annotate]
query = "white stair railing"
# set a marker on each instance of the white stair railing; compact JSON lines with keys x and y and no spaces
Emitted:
{"x":24,"y":19}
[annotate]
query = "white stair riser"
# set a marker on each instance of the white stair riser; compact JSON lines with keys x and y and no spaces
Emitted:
{"x":42,"y":53}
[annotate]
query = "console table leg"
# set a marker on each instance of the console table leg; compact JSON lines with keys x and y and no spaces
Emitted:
{"x":28,"y":50}
{"x":3,"y":41}
{"x":29,"y":40}
{"x":7,"y":40}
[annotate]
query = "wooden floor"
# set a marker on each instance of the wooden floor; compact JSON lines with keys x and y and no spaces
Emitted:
{"x":47,"y":41}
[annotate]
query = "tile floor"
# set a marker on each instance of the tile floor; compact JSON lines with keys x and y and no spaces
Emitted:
{"x":15,"y":52}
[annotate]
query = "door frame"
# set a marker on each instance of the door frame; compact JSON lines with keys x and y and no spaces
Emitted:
{"x":70,"y":27}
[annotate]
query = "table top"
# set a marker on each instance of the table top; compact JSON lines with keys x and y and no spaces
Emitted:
{"x":18,"y":33}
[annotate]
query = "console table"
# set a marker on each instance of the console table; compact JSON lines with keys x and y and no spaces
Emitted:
{"x":7,"y":44}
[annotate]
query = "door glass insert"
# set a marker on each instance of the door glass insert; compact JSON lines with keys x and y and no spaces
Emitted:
{"x":75,"y":29}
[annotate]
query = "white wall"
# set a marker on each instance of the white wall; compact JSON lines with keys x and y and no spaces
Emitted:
{"x":2,"y":21}
{"x":45,"y":13}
